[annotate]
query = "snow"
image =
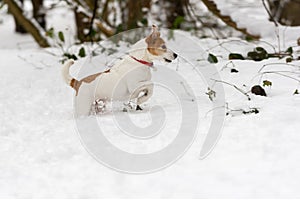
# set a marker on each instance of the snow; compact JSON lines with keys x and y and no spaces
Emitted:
{"x":42,"y":155}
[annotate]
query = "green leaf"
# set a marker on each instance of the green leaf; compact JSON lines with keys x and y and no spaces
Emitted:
{"x":258,"y":54}
{"x":289,"y":59}
{"x":249,"y":38}
{"x":212,"y":58}
{"x":70,"y":56}
{"x":93,"y":33}
{"x":178,"y":21}
{"x":50,"y":32}
{"x":289,"y":50}
{"x":119,"y":28}
{"x":235,"y":56}
{"x":267,"y":83}
{"x":144,"y":21}
{"x":61,"y":36}
{"x":82,"y":52}
{"x":260,"y":50}
{"x":258,"y":90}
{"x":253,"y":56}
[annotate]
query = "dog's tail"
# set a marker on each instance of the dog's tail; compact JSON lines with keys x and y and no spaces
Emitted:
{"x":65,"y":71}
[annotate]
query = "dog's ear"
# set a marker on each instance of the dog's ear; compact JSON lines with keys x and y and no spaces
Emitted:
{"x":155,"y":33}
{"x":153,"y":36}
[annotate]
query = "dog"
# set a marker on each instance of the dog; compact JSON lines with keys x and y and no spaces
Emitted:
{"x":128,"y":79}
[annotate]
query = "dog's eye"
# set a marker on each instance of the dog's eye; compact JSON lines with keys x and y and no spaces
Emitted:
{"x":163,"y":47}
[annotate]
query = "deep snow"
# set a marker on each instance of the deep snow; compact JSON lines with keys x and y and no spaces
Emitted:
{"x":41,"y":154}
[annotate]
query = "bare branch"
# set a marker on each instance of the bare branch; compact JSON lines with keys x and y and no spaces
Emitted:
{"x":269,"y":13}
{"x":33,"y":28}
{"x":211,"y":6}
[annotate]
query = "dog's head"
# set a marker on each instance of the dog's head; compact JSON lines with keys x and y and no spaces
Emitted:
{"x":156,"y":47}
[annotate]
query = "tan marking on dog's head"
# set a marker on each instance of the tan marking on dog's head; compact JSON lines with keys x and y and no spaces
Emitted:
{"x":156,"y":45}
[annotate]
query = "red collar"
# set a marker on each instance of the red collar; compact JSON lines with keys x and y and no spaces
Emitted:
{"x":149,"y":64}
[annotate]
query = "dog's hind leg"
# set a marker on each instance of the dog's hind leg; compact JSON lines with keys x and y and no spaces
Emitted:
{"x":83,"y":102}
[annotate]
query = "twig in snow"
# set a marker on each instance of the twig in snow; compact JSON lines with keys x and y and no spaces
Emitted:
{"x":187,"y":92}
{"x":245,"y":112}
{"x":226,"y":66}
{"x":229,"y":110}
{"x":270,"y":64}
{"x":234,"y":86}
{"x":281,"y":74}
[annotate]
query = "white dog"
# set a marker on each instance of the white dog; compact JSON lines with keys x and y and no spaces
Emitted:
{"x":128,"y":79}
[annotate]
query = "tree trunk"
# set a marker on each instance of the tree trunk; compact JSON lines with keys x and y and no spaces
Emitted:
{"x":39,"y":12}
{"x":285,"y":12}
{"x":86,"y":23}
{"x":174,"y":9}
{"x":30,"y":27}
{"x":18,"y":27}
{"x":132,"y":13}
{"x":81,"y":25}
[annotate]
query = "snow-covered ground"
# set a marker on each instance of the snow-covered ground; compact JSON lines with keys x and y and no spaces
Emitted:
{"x":41,"y":154}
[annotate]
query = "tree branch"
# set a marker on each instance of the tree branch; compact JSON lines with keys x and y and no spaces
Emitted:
{"x":212,"y":7}
{"x":93,"y":18}
{"x":269,"y":13}
{"x":33,"y":28}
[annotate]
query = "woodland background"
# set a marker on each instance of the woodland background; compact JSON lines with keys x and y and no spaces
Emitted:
{"x":99,"y":19}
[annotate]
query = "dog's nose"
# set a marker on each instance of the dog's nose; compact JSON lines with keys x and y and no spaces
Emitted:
{"x":175,"y":55}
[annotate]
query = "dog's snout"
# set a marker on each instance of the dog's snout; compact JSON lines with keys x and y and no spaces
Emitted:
{"x":175,"y":55}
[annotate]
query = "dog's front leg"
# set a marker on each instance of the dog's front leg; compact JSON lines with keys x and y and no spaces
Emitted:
{"x":142,"y":93}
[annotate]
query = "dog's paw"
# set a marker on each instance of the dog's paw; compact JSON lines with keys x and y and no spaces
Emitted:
{"x":131,"y":106}
{"x":138,"y":107}
{"x":98,"y":107}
